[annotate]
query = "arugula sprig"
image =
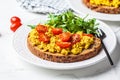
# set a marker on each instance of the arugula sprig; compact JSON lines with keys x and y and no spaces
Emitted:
{"x":70,"y":22}
{"x":31,"y":26}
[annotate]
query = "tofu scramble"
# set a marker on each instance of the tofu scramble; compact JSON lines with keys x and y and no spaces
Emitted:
{"x":53,"y":43}
{"x":110,"y":3}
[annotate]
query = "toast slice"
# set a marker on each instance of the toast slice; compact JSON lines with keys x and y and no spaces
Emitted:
{"x":102,"y":9}
{"x":57,"y":57}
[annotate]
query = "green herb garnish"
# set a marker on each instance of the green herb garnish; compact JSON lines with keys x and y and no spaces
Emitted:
{"x":31,"y":26}
{"x":70,"y":22}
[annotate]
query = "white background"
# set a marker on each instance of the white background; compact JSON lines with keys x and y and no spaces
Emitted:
{"x":13,"y":68}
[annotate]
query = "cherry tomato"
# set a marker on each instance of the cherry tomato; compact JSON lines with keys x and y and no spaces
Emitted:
{"x":15,"y":26}
{"x":75,"y":38}
{"x":63,"y":44}
{"x":65,"y":37}
{"x":41,"y":28}
{"x":15,"y":19}
{"x":44,"y":38}
{"x":57,"y":31}
{"x":90,"y":35}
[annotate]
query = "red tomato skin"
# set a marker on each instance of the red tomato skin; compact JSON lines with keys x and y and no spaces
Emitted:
{"x":75,"y":38}
{"x":65,"y":37}
{"x":44,"y":38}
{"x":15,"y":26}
{"x":63,"y":44}
{"x":41,"y":28}
{"x":15,"y":19}
{"x":89,"y":35}
{"x":57,"y":31}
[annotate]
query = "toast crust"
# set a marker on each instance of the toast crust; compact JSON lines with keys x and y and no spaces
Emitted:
{"x":102,"y":9}
{"x":57,"y":57}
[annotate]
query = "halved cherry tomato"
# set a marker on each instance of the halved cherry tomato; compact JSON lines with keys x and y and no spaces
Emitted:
{"x":57,"y":31}
{"x":65,"y":36}
{"x":75,"y":38}
{"x":90,"y":35}
{"x":63,"y":44}
{"x":41,"y":28}
{"x":15,"y":26}
{"x":15,"y":19}
{"x":16,"y":23}
{"x":44,"y":38}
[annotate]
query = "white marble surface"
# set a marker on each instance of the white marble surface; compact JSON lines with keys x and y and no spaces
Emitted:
{"x":13,"y":68}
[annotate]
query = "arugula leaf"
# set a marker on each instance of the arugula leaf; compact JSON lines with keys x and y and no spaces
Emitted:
{"x":70,"y":22}
{"x":31,"y":26}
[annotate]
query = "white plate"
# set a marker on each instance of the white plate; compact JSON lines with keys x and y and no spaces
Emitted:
{"x":79,"y":7}
{"x":19,"y":43}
